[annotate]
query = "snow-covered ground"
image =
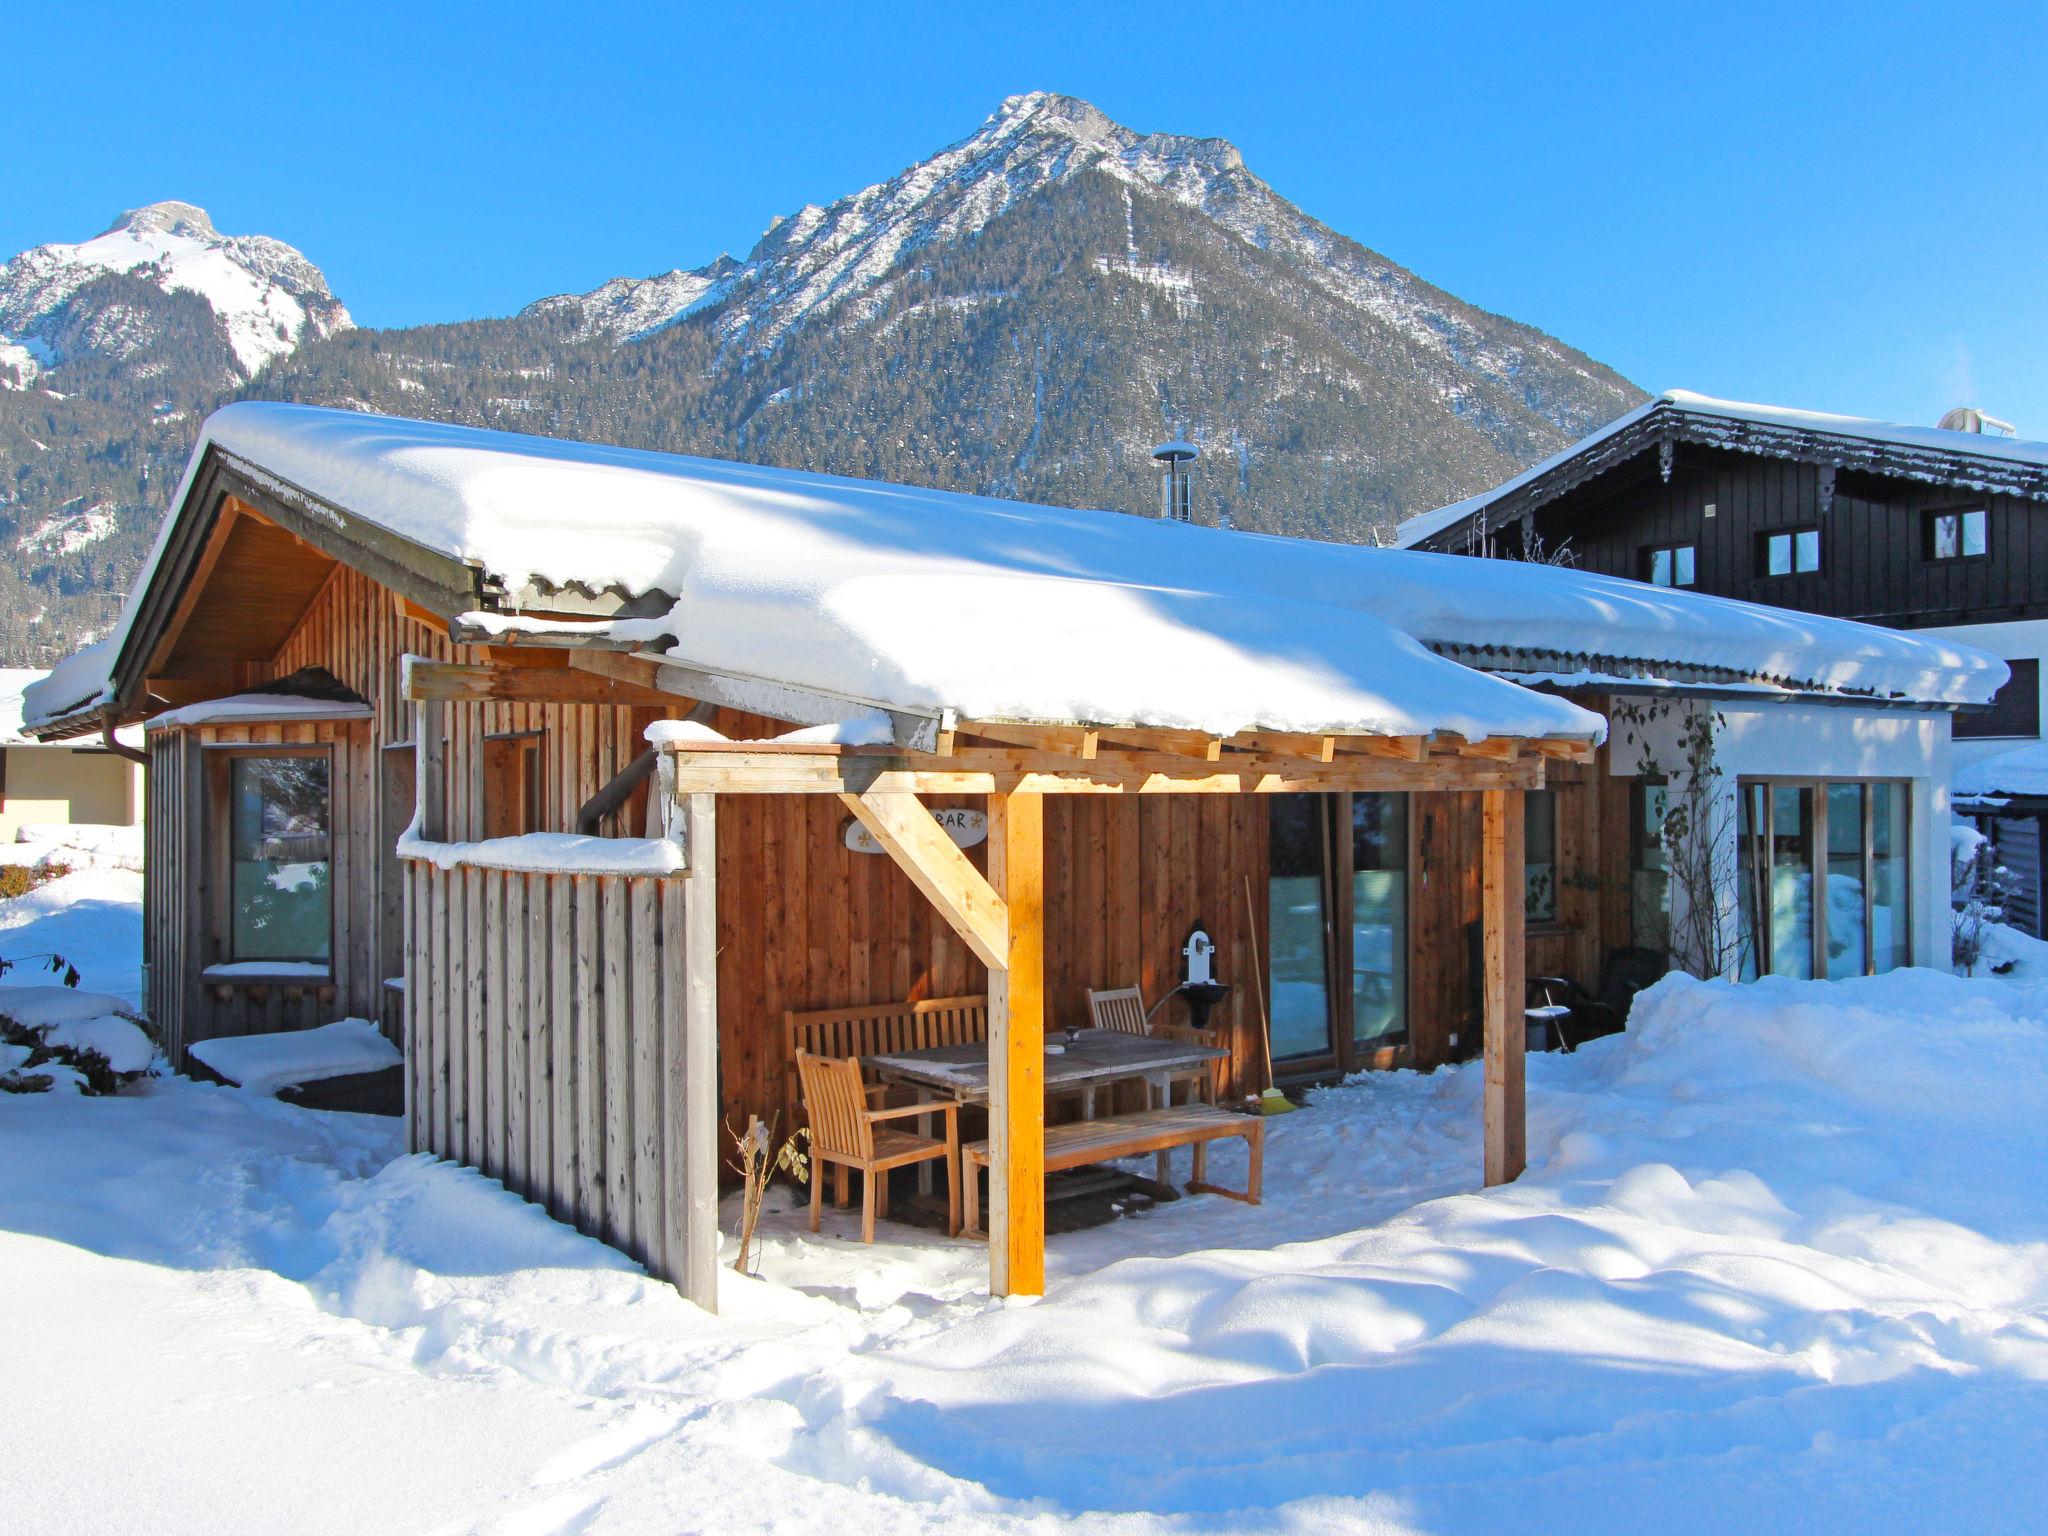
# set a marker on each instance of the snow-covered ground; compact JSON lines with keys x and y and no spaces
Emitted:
{"x":1780,"y":1263}
{"x":91,"y":916}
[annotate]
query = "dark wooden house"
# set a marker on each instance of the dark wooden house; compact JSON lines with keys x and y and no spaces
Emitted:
{"x":1942,"y":532}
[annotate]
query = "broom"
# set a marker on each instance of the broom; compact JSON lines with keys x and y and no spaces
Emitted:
{"x":1272,"y":1101}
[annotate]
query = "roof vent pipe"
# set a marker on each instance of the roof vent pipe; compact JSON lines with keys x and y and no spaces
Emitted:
{"x":1967,"y":418}
{"x":1176,"y":461}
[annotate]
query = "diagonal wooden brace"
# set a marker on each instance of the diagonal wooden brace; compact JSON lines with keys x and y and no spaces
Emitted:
{"x":912,"y":836}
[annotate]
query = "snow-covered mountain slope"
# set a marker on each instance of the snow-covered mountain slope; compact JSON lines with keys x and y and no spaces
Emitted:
{"x":268,"y":297}
{"x":628,"y":308}
{"x":817,"y":259}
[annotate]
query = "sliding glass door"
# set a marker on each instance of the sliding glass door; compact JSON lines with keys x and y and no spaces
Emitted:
{"x":1824,"y":877}
{"x":1337,"y":907}
{"x":1298,"y":917}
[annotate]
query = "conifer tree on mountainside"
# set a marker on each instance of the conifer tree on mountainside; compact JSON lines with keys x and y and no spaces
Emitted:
{"x":1025,"y":315}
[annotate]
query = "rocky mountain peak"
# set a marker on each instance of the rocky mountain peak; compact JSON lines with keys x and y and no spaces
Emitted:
{"x":186,"y":220}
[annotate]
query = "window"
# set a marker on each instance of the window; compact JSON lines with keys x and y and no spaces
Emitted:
{"x":1788,"y":552}
{"x":513,"y":795}
{"x":1337,"y":899}
{"x":1649,"y":865}
{"x":2014,"y":711}
{"x":1958,"y":533}
{"x":1670,"y":565}
{"x":1379,"y":918}
{"x":1298,"y":968}
{"x":1539,"y":856}
{"x":280,"y":857}
{"x":1824,"y":876}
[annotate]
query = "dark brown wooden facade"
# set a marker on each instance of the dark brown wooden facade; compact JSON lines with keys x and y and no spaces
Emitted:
{"x":1874,"y":560}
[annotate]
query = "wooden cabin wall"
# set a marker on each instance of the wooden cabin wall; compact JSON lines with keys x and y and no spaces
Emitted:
{"x":355,"y":631}
{"x":180,"y":940}
{"x":544,"y":1044}
{"x":804,"y":922}
{"x":1443,"y":903}
{"x":1593,"y":902}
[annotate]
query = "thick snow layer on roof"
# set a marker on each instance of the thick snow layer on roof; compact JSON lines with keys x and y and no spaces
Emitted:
{"x":2021,"y":771}
{"x":14,"y":684}
{"x":260,"y":706}
{"x":923,"y":600}
{"x":1414,"y":530}
{"x":77,"y":682}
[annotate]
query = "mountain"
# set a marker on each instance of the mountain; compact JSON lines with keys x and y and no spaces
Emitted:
{"x":60,"y":303}
{"x":1026,"y":313}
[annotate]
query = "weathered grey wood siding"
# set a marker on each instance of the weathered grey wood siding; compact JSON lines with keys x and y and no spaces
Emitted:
{"x":548,"y":1043}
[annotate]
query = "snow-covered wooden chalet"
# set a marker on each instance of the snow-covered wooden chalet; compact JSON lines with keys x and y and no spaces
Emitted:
{"x":581,"y":768}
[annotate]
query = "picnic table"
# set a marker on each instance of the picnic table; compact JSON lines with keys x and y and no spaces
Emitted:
{"x":1099,"y":1057}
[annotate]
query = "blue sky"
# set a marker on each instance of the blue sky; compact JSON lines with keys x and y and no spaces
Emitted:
{"x":1836,"y":207}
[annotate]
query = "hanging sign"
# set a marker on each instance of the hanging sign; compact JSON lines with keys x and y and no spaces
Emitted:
{"x":965,"y":827}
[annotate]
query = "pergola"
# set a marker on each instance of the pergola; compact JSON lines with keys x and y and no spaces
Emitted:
{"x":1015,"y":765}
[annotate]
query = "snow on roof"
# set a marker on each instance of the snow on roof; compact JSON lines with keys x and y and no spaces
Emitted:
{"x":78,"y":682}
{"x":17,"y":682}
{"x":261,"y":706}
{"x":2021,"y":771}
{"x":920,"y":600}
{"x":1414,"y":530}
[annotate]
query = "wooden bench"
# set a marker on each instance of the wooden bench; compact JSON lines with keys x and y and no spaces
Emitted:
{"x":1153,"y":1130}
{"x":874,"y":1029}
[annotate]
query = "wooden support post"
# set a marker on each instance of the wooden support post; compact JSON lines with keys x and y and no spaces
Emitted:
{"x":1016,"y":1050}
{"x":1502,"y":895}
{"x":430,"y":753}
{"x":697,"y":1116}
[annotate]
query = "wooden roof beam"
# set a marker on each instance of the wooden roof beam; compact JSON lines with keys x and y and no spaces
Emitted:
{"x":1074,"y":740}
{"x":1310,"y":748}
{"x":759,"y":768}
{"x":452,"y":683}
{"x":1500,"y":749}
{"x":923,"y":850}
{"x":1195,"y":744}
{"x":1407,"y":749}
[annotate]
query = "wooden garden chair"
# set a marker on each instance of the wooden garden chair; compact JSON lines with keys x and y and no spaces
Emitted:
{"x":1123,"y":1009}
{"x":850,"y":1135}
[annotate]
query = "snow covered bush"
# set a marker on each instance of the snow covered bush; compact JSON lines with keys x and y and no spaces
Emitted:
{"x":1699,"y":832}
{"x":53,"y":1034}
{"x":1978,"y":885}
{"x":20,"y":879}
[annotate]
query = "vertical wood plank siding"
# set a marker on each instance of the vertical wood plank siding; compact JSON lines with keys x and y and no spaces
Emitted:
{"x":178,"y":941}
{"x":496,"y":1082}
{"x":1873,"y":564}
{"x":354,"y":630}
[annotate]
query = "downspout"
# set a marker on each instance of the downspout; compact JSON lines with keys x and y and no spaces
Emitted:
{"x":119,"y":748}
{"x":607,"y":800}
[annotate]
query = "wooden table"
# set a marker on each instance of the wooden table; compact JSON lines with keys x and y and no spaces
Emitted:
{"x":1100,"y":1057}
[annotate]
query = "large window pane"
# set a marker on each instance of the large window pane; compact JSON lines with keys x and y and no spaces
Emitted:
{"x":1845,"y":881}
{"x":1539,"y":856}
{"x":1753,"y":875}
{"x":1891,"y":943}
{"x":1295,"y":897}
{"x":1649,"y":867}
{"x":1379,"y":918}
{"x":280,"y":858}
{"x":1791,"y":888}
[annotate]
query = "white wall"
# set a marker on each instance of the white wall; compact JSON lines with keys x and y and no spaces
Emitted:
{"x":1833,"y":741}
{"x":2015,"y":641}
